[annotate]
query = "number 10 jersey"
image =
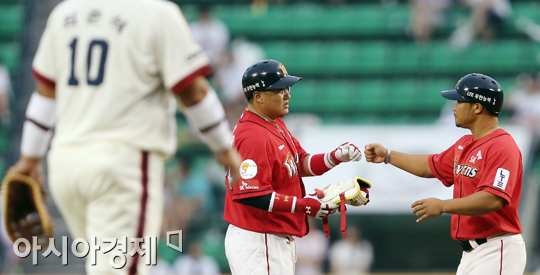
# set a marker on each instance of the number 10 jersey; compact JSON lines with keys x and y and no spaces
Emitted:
{"x":114,"y":64}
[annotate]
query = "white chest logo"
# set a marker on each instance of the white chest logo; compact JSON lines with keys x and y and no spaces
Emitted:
{"x":460,"y":147}
{"x":477,"y":157}
{"x":501,"y":178}
{"x":281,"y":147}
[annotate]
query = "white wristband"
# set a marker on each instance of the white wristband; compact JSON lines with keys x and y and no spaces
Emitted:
{"x":293,"y":205}
{"x":34,"y":140}
{"x":42,"y":110}
{"x":208,"y":117}
{"x":40,"y":119}
{"x":271,"y":206}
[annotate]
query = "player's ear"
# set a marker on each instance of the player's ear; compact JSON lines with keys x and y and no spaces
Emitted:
{"x":478,"y":108}
{"x":258,"y":97}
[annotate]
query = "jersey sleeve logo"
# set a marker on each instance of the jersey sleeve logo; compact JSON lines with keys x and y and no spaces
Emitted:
{"x":248,"y":169}
{"x":501,"y":178}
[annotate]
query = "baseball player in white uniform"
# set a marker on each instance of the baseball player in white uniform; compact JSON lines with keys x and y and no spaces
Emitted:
{"x":105,"y":71}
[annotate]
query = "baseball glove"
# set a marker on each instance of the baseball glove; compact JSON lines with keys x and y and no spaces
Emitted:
{"x":25,"y":212}
{"x":344,"y":192}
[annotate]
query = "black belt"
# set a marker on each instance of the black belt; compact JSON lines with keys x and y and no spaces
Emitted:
{"x":466,"y":244}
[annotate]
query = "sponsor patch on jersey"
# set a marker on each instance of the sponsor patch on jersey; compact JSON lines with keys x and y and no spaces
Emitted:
{"x":501,"y":178}
{"x":246,"y":186}
{"x":248,"y":169}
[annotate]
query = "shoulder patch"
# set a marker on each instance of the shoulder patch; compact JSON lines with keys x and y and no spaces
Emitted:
{"x":501,"y":178}
{"x":248,"y":169}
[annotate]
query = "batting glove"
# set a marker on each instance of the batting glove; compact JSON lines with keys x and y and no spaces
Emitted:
{"x":344,"y":153}
{"x":314,"y":207}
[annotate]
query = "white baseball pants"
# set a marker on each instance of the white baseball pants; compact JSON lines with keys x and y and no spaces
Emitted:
{"x":253,"y":253}
{"x":500,"y":255}
{"x":108,"y":190}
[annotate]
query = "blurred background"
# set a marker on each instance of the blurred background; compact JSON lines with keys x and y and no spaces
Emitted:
{"x":372,"y":72}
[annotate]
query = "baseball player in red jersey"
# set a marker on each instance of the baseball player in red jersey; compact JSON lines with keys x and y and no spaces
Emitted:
{"x":486,"y":171}
{"x":268,"y":206}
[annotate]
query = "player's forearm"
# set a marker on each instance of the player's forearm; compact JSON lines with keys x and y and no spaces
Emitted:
{"x":415,"y":164}
{"x":304,"y":169}
{"x":477,"y":204}
{"x":195,"y":92}
{"x":261,"y":202}
{"x":45,"y":90}
{"x":40,"y":120}
{"x":205,"y":112}
{"x":318,"y":164}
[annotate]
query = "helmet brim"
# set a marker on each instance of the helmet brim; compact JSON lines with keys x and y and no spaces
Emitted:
{"x":285,"y":82}
{"x":453,"y":95}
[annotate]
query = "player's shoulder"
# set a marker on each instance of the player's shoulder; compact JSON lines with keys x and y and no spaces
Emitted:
{"x":500,"y":136}
{"x":251,"y":128}
{"x":62,"y":8}
{"x":464,"y":140}
{"x":252,"y":131}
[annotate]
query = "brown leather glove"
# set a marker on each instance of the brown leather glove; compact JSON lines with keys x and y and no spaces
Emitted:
{"x":25,"y":211}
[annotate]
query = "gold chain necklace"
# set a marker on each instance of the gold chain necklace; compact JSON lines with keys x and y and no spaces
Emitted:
{"x":273,"y":123}
{"x":282,"y":133}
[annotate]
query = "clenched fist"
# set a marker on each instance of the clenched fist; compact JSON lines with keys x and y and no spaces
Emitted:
{"x":345,"y":152}
{"x":375,"y":153}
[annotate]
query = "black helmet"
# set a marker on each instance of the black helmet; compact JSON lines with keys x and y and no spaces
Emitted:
{"x":266,"y":75}
{"x":478,"y":88}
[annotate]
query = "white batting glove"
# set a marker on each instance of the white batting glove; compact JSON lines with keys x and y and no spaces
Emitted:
{"x":314,"y":207}
{"x":344,"y":153}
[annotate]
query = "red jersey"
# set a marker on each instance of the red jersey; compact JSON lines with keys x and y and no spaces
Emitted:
{"x":492,"y":164}
{"x":271,"y":162}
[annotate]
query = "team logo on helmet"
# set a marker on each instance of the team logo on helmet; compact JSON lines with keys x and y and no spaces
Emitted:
{"x":283,"y":68}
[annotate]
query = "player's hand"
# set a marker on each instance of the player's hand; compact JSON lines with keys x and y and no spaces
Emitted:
{"x":375,"y":153}
{"x":28,"y":166}
{"x":427,"y":208}
{"x":231,"y":160}
{"x":346,"y":152}
{"x":312,"y":206}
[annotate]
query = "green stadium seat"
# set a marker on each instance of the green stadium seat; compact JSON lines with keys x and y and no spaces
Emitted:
{"x":530,"y":10}
{"x":339,"y":95}
{"x":370,"y":95}
{"x":349,"y":65}
{"x":297,"y":20}
{"x":11,"y":20}
{"x":372,"y":57}
{"x":304,"y":96}
{"x":507,"y":84}
{"x":10,"y":2}
{"x":395,"y":95}
{"x":431,"y":92}
{"x":408,"y":57}
{"x":405,"y":94}
{"x":9,"y":54}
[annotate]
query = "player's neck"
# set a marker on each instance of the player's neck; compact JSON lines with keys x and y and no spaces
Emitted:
{"x":259,"y":113}
{"x":484,"y":127}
